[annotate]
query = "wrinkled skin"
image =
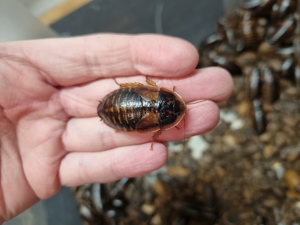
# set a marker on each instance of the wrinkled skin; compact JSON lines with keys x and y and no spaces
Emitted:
{"x":50,"y":134}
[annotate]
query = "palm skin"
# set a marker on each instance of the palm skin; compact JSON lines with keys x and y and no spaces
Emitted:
{"x":50,"y":134}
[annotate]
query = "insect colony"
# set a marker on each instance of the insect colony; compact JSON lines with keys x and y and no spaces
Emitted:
{"x":250,"y":170}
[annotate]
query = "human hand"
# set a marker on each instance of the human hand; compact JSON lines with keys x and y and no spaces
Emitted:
{"x":50,"y":134}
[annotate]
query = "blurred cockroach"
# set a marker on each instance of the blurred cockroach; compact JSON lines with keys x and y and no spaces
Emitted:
{"x":248,"y":29}
{"x":270,"y":85}
{"x":285,"y":29}
{"x":282,"y":8}
{"x":142,"y":108}
{"x":258,"y":116}
{"x":254,"y":83}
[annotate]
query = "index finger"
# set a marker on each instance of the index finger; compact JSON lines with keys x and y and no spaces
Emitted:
{"x":72,"y":61}
{"x":206,"y":84}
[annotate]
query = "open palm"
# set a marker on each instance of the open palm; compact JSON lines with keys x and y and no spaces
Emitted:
{"x":50,"y":134}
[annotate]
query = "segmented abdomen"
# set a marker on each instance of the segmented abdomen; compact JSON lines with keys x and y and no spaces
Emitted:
{"x":123,"y":108}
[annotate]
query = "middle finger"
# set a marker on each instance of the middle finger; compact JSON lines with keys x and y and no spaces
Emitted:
{"x":209,"y":83}
{"x":91,"y":134}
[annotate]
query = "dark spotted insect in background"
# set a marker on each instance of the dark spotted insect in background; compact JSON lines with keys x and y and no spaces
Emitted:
{"x":142,"y":108}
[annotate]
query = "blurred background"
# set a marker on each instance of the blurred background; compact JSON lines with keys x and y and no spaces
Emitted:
{"x":192,"y":20}
{"x":246,"y":170}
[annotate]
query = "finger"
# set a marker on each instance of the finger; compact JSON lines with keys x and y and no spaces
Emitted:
{"x":72,"y":61}
{"x":210,"y":83}
{"x":101,"y":167}
{"x":91,"y":134}
{"x":41,"y":150}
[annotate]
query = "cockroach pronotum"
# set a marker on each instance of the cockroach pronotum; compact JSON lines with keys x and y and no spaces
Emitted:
{"x":142,"y":108}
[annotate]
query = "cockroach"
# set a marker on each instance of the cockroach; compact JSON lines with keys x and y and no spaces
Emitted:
{"x":248,"y":29}
{"x":258,"y":116}
{"x":283,"y":8}
{"x":270,"y":84}
{"x":287,"y":67}
{"x":285,"y":30}
{"x":142,"y":108}
{"x":297,"y":75}
{"x":227,"y":27}
{"x":254,"y":83}
{"x":224,"y":62}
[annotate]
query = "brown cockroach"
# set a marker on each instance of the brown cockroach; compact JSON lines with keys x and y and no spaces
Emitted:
{"x":258,"y":116}
{"x":284,"y":30}
{"x":142,"y":108}
{"x":254,"y":83}
{"x":270,"y":85}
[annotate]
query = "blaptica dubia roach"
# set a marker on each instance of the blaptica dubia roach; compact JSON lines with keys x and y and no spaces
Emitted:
{"x":142,"y":108}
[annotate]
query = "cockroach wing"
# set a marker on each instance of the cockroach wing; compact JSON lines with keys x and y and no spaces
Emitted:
{"x":147,"y":92}
{"x":148,"y":123}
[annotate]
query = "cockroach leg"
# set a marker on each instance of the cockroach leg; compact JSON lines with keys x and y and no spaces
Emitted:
{"x":117,"y":82}
{"x":154,"y":137}
{"x":150,"y":82}
{"x":174,"y":87}
{"x":178,"y":128}
{"x":133,"y":85}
